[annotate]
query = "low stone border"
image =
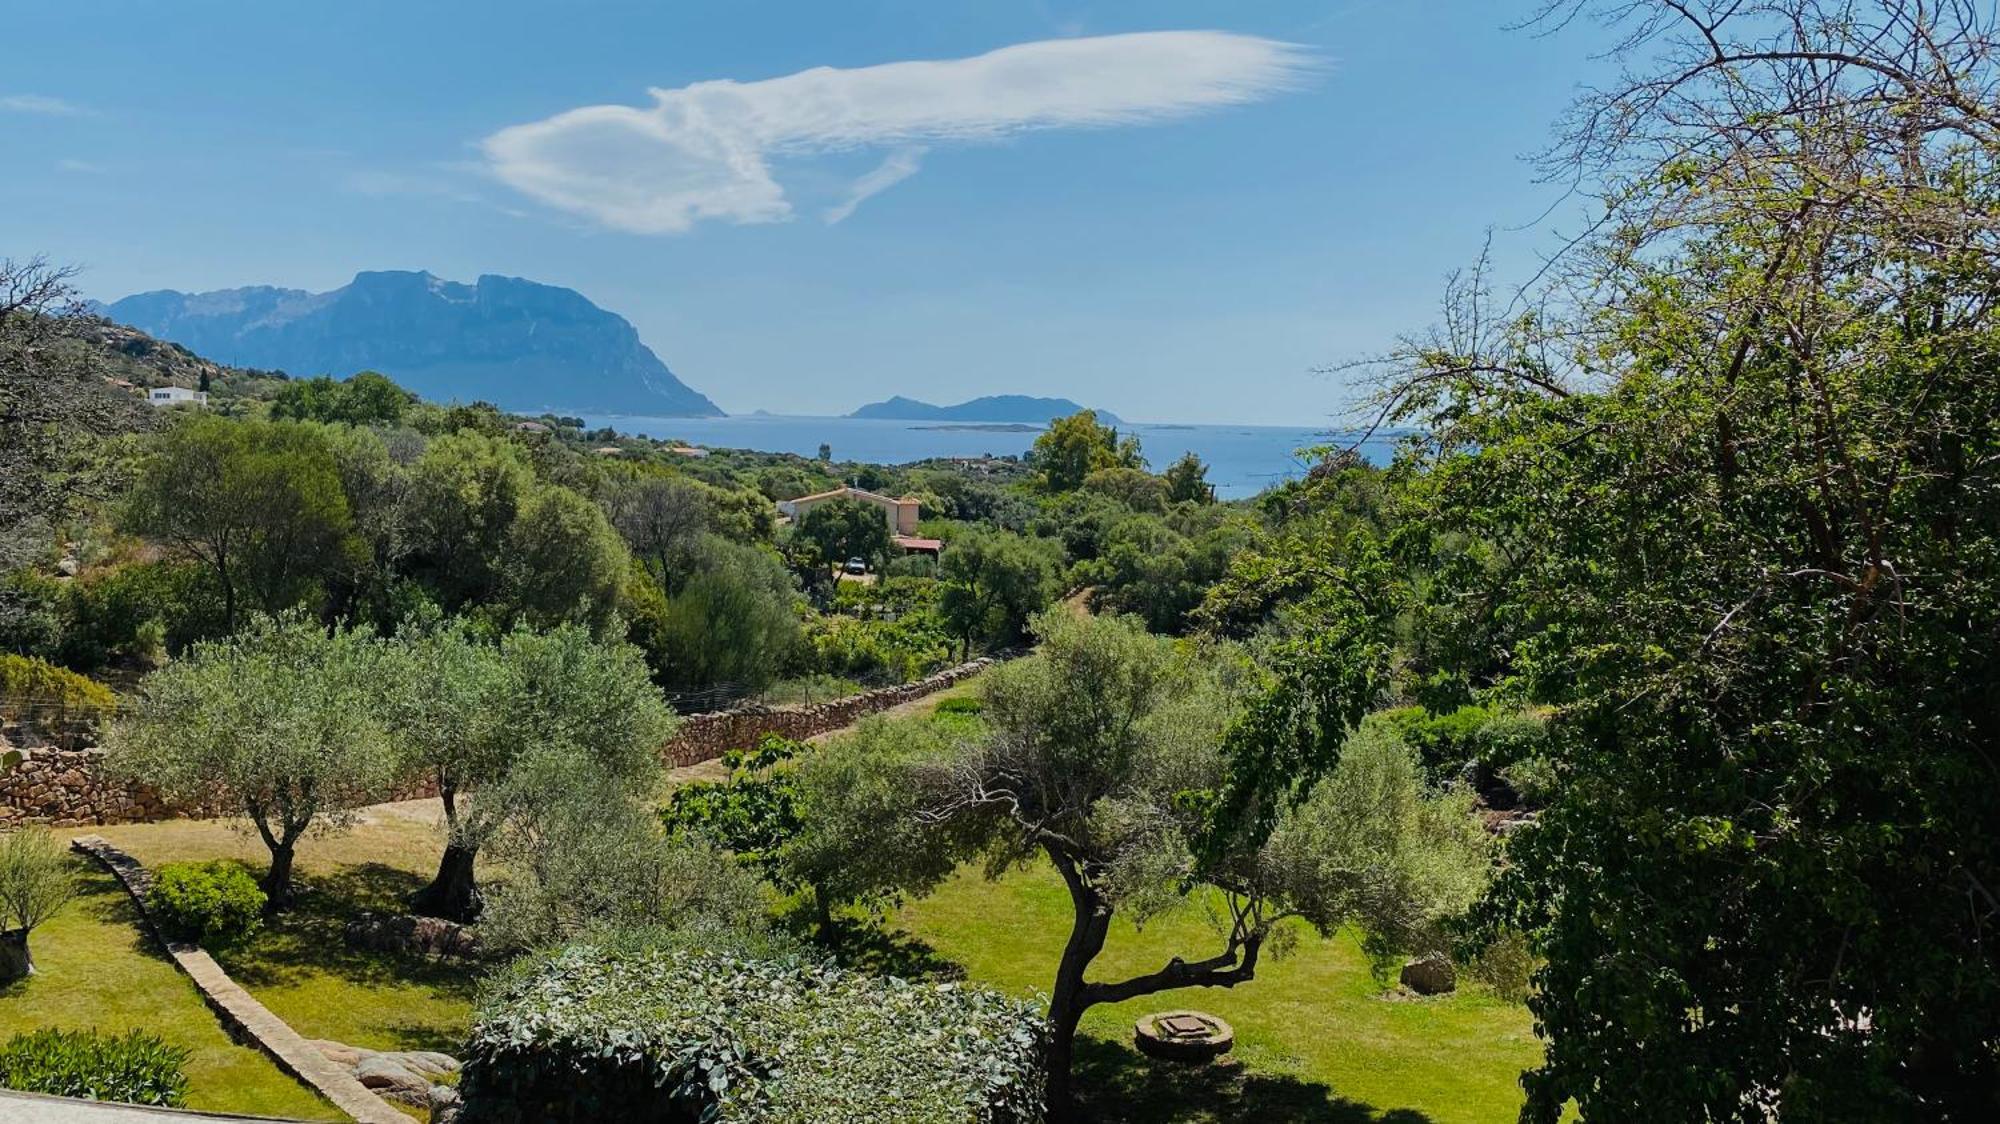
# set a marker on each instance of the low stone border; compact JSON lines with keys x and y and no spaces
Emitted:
{"x":239,"y":1010}
{"x":705,"y":737}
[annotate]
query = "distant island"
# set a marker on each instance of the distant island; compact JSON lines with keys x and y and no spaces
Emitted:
{"x":1013,"y":408}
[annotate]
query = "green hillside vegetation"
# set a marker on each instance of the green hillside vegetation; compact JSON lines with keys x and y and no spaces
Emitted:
{"x":1622,"y":750}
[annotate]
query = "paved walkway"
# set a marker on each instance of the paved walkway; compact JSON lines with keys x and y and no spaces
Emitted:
{"x":239,"y":1009}
{"x":29,"y":1108}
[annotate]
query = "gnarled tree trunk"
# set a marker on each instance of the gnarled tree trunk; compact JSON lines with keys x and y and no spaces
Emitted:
{"x":454,"y":893}
{"x":1072,"y":995}
{"x":1091,"y":921}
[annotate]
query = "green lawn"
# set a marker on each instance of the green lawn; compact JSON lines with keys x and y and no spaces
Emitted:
{"x":97,"y":969}
{"x":1316,"y":1038}
{"x":300,"y":965}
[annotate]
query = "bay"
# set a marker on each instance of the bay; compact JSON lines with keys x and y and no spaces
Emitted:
{"x":1242,"y":459}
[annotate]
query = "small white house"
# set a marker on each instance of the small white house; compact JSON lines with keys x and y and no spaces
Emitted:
{"x":176,"y":395}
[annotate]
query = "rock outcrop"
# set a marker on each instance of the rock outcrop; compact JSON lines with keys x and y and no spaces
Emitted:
{"x":518,"y":344}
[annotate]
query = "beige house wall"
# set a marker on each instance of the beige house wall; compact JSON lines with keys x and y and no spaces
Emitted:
{"x":900,"y":514}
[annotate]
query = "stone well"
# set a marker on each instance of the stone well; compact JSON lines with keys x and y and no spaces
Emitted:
{"x":1183,"y":1036}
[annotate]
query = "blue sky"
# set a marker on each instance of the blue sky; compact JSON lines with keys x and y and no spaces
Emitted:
{"x":1176,"y":227}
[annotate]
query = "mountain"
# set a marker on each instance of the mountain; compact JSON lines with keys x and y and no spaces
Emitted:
{"x":991,"y":408}
{"x":520,"y":345}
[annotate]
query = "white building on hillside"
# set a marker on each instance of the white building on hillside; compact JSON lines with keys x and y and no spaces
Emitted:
{"x":176,"y":395}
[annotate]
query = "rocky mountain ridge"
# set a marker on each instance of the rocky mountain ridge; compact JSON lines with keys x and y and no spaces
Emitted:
{"x":516,"y":343}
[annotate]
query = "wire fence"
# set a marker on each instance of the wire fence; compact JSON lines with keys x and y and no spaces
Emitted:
{"x":789,"y":692}
{"x":40,"y":720}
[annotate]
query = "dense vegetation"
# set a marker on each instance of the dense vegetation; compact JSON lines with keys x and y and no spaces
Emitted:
{"x":1654,"y":681}
{"x":133,"y":1068}
{"x":675,"y":1035}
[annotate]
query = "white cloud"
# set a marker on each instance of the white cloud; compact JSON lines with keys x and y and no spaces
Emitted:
{"x":41,"y":104}
{"x":897,"y":167}
{"x":82,"y":167}
{"x":704,"y":151}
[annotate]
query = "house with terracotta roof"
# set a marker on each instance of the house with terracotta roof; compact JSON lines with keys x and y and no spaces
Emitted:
{"x":900,"y":514}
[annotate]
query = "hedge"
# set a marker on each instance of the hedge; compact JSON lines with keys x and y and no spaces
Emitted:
{"x":588,"y":1034}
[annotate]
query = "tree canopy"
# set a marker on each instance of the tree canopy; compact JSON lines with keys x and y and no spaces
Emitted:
{"x":1073,"y":447}
{"x":282,"y":723}
{"x":259,"y":503}
{"x":1724,"y":500}
{"x":840,"y":529}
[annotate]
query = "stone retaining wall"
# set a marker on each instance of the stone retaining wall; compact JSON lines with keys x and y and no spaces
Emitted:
{"x":704,"y":737}
{"x":68,"y":788}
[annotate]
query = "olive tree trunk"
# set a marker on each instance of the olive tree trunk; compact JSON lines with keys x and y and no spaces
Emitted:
{"x":454,"y":893}
{"x":16,"y":961}
{"x":1072,"y":995}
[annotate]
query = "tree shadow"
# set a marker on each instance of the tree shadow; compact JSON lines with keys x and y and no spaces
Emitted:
{"x":866,"y":945}
{"x":309,"y":939}
{"x":1119,"y":1085}
{"x":102,"y":898}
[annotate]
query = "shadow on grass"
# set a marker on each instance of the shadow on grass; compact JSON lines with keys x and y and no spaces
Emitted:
{"x":1119,"y":1085}
{"x":306,"y":944}
{"x":103,"y":899}
{"x":864,"y":944}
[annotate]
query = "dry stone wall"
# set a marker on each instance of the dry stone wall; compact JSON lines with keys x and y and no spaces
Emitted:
{"x":69,"y":787}
{"x":705,"y":737}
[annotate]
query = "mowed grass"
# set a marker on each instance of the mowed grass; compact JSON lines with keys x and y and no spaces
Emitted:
{"x":99,"y":969}
{"x":1317,"y":1038}
{"x":300,"y":965}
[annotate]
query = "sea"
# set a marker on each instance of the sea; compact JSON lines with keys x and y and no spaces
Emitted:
{"x":1242,"y":459}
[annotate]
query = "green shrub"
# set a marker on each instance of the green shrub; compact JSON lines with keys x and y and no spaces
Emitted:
{"x":1490,"y":736}
{"x":137,"y":1067}
{"x":1533,"y":779}
{"x":39,"y":691}
{"x":1511,"y":737}
{"x":961,"y":704}
{"x":213,"y":903}
{"x":671,"y":1036}
{"x":1445,"y":743}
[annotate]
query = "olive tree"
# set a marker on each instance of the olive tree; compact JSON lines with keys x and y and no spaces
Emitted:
{"x":586,"y":853}
{"x":990,"y":584}
{"x":35,"y":882}
{"x":282,"y":723}
{"x":475,"y":719}
{"x":1098,"y":750}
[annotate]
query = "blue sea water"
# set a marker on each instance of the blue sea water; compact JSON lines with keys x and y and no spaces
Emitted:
{"x":1242,"y":459}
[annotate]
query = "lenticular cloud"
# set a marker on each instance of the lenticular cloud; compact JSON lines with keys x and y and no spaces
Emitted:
{"x":703,"y":151}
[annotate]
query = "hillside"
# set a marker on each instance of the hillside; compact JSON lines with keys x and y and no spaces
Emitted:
{"x":515,"y":343}
{"x":990,"y":408}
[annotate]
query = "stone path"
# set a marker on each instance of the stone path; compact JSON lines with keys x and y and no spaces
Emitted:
{"x":239,"y":1010}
